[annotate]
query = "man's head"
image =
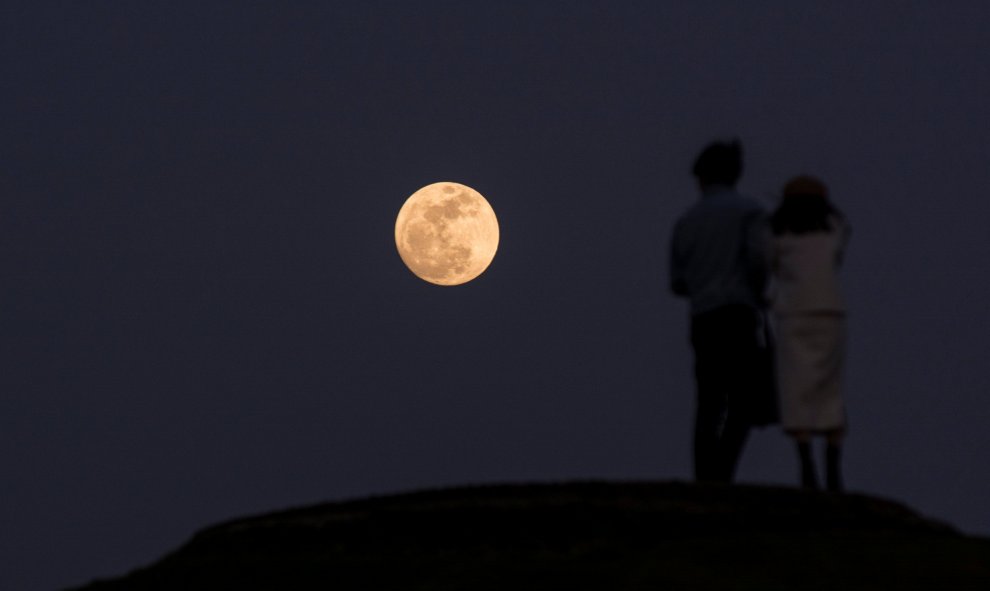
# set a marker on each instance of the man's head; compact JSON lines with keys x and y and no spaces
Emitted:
{"x":720,"y":163}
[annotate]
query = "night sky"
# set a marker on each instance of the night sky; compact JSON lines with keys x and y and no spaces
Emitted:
{"x":203,"y":314}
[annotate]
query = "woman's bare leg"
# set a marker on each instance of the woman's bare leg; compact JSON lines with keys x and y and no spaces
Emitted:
{"x":833,"y":460}
{"x":809,"y":479}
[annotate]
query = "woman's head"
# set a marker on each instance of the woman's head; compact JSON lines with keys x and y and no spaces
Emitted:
{"x":805,"y":207}
{"x":805,"y":186}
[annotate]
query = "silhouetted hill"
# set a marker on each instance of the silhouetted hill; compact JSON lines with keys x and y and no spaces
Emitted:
{"x":592,"y":535}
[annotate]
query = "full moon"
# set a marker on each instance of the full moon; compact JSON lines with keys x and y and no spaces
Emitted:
{"x":446,"y":233}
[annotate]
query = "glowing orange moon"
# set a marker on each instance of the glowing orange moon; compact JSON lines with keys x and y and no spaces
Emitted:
{"x":446,"y":233}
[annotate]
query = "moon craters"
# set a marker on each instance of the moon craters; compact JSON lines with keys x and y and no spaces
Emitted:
{"x":446,"y":233}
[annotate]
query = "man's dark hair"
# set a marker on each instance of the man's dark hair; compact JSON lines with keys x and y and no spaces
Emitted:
{"x":720,"y":163}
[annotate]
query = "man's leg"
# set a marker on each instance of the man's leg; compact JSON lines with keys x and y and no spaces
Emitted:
{"x":710,"y":412}
{"x":733,"y":441}
{"x":740,"y":363}
{"x":708,"y":420}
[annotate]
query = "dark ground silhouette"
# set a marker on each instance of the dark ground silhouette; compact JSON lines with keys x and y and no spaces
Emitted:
{"x":596,"y":535}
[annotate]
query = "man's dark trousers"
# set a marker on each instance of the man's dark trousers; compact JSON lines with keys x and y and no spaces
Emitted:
{"x":727,"y":352}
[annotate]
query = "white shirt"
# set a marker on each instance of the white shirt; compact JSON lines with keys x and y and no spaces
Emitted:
{"x":806,"y":270}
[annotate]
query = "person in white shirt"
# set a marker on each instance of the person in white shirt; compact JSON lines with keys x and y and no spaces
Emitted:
{"x":809,"y":241}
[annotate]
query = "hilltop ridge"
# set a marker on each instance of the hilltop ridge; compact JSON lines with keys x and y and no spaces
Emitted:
{"x":589,"y":535}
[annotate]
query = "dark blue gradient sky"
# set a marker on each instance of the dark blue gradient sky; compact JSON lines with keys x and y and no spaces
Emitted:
{"x":202,"y":313}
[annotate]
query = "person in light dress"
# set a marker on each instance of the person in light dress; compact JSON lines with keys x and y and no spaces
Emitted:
{"x":809,"y":241}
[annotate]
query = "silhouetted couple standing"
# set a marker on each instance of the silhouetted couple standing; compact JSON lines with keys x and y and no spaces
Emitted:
{"x":726,"y":252}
